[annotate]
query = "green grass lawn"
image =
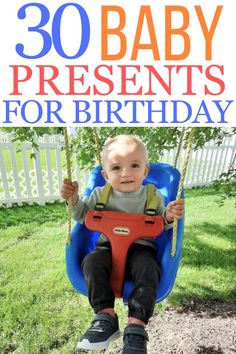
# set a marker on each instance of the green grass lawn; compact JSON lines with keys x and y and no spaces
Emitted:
{"x":208,"y":263}
{"x":41,"y":313}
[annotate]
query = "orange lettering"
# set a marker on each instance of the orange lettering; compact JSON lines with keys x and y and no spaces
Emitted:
{"x":177,"y":31}
{"x":113,"y":32}
{"x":145,"y":12}
{"x":208,"y":34}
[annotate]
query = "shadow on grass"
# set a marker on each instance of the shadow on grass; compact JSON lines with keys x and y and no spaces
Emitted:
{"x":32,"y":214}
{"x":199,"y":255}
{"x":200,"y":192}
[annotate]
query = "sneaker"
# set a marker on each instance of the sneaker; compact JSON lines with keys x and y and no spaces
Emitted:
{"x":135,"y":340}
{"x":104,"y":329}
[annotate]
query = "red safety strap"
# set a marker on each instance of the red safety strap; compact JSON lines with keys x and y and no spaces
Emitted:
{"x":122,"y":229}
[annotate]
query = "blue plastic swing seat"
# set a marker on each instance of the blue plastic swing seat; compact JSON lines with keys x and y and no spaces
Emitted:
{"x":166,"y":179}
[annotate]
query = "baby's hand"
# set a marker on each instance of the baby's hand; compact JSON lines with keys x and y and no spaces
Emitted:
{"x":69,"y":191}
{"x":175,"y":210}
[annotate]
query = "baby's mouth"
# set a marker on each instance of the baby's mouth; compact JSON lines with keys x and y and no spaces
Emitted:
{"x":127,"y":182}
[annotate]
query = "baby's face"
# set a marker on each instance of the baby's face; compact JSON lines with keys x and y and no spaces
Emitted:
{"x":125,"y":166}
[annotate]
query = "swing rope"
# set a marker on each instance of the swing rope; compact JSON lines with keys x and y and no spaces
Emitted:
{"x":69,"y":174}
{"x":179,"y":147}
{"x":96,"y":139}
{"x":68,"y":171}
{"x":181,"y":183}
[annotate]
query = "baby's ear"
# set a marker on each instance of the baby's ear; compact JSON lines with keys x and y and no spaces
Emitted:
{"x":104,"y":175}
{"x":147,"y":169}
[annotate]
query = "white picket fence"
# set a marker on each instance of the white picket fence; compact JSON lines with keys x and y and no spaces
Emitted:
{"x":38,"y":180}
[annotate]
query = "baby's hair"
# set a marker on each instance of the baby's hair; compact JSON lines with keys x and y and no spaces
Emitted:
{"x":123,"y":137}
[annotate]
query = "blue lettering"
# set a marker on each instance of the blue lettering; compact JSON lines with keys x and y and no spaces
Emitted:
{"x":38,"y":109}
{"x":47,"y":42}
{"x":51,"y":111}
{"x":85,"y":31}
{"x":84,"y":110}
{"x":9,"y":110}
{"x":55,"y":38}
{"x":176,"y":110}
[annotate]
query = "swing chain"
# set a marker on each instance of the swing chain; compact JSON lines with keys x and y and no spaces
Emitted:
{"x":181,"y":183}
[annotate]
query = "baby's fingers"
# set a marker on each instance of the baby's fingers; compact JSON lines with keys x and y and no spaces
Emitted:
{"x":178,"y":208}
{"x":178,"y":214}
{"x":75,"y":187}
{"x":69,"y":189}
{"x":178,"y":202}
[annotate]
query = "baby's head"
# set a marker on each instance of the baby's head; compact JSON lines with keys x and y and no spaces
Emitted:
{"x":125,"y":163}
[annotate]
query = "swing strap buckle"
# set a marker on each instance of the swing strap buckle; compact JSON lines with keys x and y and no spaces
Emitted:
{"x":151,"y":212}
{"x":99,"y":206}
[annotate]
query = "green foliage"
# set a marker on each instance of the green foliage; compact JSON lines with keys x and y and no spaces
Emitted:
{"x":203,"y":135}
{"x":21,"y":135}
{"x":84,"y":147}
{"x":156,"y":139}
{"x":225,"y":185}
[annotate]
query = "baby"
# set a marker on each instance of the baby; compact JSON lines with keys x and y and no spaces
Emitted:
{"x":124,"y":167}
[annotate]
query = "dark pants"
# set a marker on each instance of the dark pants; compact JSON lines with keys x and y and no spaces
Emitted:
{"x":141,"y":267}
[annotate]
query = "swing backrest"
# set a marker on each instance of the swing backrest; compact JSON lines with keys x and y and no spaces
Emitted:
{"x":83,"y":241}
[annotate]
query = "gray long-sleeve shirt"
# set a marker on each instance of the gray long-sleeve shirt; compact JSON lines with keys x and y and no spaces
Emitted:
{"x":134,"y":202}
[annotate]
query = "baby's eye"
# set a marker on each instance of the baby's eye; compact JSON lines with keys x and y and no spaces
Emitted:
{"x":135,"y":165}
{"x":115,"y":168}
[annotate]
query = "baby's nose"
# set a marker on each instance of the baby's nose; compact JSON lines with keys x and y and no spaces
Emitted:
{"x":125,"y":171}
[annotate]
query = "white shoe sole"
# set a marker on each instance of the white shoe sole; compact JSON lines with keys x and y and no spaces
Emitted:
{"x":85,"y":344}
